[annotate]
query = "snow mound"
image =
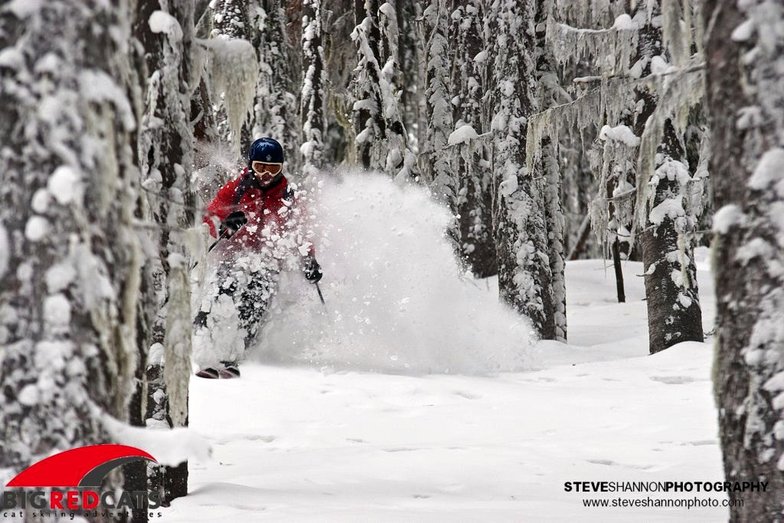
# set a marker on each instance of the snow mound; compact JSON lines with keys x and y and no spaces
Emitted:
{"x":619,"y":133}
{"x":396,"y":298}
{"x":163,"y":22}
{"x":463,"y":134}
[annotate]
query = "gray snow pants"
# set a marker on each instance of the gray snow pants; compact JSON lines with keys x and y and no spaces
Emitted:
{"x":234,"y":303}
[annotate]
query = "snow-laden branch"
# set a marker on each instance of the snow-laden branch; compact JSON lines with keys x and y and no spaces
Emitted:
{"x":168,"y":446}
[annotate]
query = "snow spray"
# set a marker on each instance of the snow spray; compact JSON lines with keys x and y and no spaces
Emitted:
{"x":399,"y":300}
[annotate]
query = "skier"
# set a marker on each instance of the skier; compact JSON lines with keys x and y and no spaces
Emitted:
{"x":260,"y":232}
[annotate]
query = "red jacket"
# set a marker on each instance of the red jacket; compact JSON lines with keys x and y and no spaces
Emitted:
{"x":270,"y":211}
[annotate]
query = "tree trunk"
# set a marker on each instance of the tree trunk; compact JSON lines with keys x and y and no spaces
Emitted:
{"x":473,"y":204}
{"x":276,"y":101}
{"x":232,"y":19}
{"x":70,"y":257}
{"x":434,"y":160}
{"x":554,"y":222}
{"x":618,"y":268}
{"x":409,"y":59}
{"x":312,"y":99}
{"x":524,"y":271}
{"x":746,"y":168}
{"x":381,"y":139}
{"x":671,"y":291}
{"x":369,"y":124}
{"x":674,"y":313}
{"x":165,"y":154}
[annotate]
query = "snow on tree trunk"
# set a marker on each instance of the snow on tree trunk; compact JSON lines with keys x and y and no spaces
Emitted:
{"x":672,"y":299}
{"x":554,"y":223}
{"x":473,"y":180}
{"x":524,"y":273}
{"x":165,"y":155}
{"x":312,"y":97}
{"x":745,"y":101}
{"x":619,"y":154}
{"x":69,"y":184}
{"x":276,"y":102}
{"x":547,"y":167}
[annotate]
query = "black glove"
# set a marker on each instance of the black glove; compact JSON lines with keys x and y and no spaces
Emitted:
{"x":312,"y":270}
{"x":232,"y":224}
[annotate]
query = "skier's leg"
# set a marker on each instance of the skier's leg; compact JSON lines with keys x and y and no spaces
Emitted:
{"x":250,"y":303}
{"x":215,"y":326}
{"x":255,"y":301}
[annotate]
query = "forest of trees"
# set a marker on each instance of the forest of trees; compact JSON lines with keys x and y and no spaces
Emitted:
{"x":553,"y":130}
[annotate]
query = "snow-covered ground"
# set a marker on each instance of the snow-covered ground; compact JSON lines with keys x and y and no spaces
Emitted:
{"x":316,"y":443}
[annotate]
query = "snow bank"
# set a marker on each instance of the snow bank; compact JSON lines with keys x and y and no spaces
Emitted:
{"x":396,"y":300}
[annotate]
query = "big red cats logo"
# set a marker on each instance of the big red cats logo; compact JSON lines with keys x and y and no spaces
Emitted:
{"x":72,"y":480}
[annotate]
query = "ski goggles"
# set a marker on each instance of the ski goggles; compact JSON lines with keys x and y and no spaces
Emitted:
{"x":266,"y":167}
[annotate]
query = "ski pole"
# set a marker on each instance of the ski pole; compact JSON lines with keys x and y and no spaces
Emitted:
{"x":321,"y":296}
{"x":209,"y":249}
{"x":214,"y":244}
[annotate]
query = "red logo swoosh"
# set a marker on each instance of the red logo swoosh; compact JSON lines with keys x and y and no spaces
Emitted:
{"x":69,"y":468}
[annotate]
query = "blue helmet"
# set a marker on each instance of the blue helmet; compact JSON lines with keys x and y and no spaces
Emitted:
{"x":265,"y":150}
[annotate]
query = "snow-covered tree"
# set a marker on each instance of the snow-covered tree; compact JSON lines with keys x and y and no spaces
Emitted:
{"x":547,"y":167}
{"x":470,"y":167}
{"x":69,"y":255}
{"x":165,"y":156}
{"x":648,"y":85}
{"x":366,"y":109}
{"x":381,"y":137}
{"x":435,"y":165}
{"x":313,"y":83}
{"x":745,"y":101}
{"x":399,"y":160}
{"x":409,"y":59}
{"x":524,"y":273}
{"x":233,"y":71}
{"x":664,"y":203}
{"x":276,"y":101}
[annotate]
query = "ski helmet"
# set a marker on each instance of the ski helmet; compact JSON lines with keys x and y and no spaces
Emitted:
{"x":265,"y":150}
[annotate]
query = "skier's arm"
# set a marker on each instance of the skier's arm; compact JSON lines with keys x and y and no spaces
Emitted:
{"x":310,"y":267}
{"x":220,"y":207}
